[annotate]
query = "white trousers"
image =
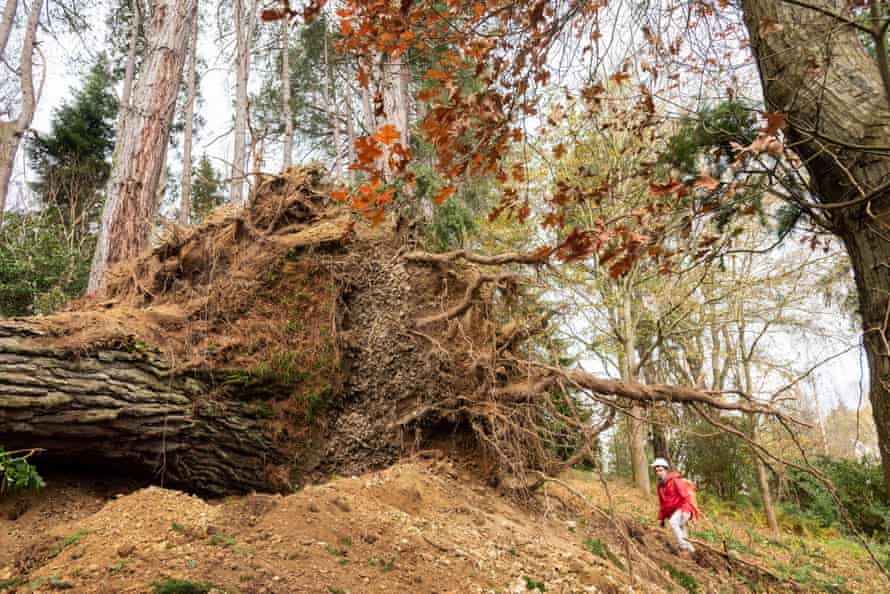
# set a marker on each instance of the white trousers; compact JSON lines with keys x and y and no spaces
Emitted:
{"x":678,"y":523}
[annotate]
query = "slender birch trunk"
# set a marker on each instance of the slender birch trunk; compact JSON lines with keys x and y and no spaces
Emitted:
{"x":350,"y":132}
{"x":333,"y":108}
{"x":244,"y":24}
{"x":139,"y":157}
{"x":285,"y":95}
{"x":11,"y":131}
{"x":6,"y":24}
{"x":369,"y":121}
{"x":185,"y":204}
{"x":130,"y":72}
{"x":745,"y":356}
{"x":636,"y":426}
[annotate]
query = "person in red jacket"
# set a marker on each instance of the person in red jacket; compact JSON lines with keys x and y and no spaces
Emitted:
{"x":675,"y":505}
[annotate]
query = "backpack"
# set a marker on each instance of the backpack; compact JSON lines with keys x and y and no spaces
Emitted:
{"x":690,"y":489}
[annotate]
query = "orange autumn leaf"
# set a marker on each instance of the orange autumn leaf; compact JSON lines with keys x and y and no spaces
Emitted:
{"x":774,"y":123}
{"x":387,"y":134}
{"x":706,"y":182}
{"x":362,"y":78}
{"x":271,"y":14}
{"x":442,"y":195}
{"x":338,"y":195}
{"x":619,"y":78}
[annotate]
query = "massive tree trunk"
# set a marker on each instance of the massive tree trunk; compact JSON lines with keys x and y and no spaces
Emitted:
{"x":245,"y":19}
{"x":185,"y":203}
{"x":815,"y":69}
{"x":126,"y":406}
{"x":139,"y":157}
{"x":11,"y":132}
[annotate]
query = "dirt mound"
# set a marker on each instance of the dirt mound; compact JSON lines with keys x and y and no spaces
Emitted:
{"x":424,"y":525}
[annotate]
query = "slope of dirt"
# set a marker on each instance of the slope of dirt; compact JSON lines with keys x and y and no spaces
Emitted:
{"x":423,"y":525}
{"x":419,"y":526}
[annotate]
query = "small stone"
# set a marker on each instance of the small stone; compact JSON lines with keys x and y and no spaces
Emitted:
{"x":125,"y":550}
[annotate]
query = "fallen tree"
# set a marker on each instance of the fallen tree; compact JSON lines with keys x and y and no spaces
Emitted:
{"x":288,"y":340}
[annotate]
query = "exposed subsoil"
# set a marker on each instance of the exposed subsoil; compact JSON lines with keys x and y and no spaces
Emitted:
{"x":423,"y":525}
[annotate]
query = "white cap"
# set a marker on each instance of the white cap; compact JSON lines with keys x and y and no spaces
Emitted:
{"x":660,"y":462}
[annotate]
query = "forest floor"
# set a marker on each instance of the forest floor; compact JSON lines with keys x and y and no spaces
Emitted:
{"x":423,"y":525}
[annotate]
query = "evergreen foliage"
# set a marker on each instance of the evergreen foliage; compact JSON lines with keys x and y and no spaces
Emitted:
{"x":72,"y":162}
{"x":41,"y":267}
{"x":45,"y":254}
{"x":207,"y":190}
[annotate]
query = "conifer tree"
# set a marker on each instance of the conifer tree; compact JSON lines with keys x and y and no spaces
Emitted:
{"x":72,"y":161}
{"x":207,"y":190}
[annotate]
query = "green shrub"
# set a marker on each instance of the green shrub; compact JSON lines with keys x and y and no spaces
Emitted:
{"x":17,"y":474}
{"x":859,"y":486}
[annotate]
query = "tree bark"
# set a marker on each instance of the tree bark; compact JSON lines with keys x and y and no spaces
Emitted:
{"x":9,"y":10}
{"x":333,"y":106}
{"x":244,"y":24}
{"x":11,"y":132}
{"x":817,"y":71}
{"x":745,"y":357}
{"x":185,"y":204}
{"x":636,"y":426}
{"x":285,"y":95}
{"x":131,"y":204}
{"x":130,"y":407}
{"x":130,"y":71}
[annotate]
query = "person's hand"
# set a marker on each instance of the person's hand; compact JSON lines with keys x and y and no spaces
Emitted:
{"x":662,"y":523}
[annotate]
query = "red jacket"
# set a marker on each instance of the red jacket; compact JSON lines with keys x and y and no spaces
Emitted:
{"x":672,"y":495}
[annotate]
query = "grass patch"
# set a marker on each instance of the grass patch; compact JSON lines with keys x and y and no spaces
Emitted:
{"x":222,"y":539}
{"x":601,"y":549}
{"x":689,"y":583}
{"x":72,"y":540}
{"x":12,"y":582}
{"x":170,"y":585}
{"x":334,"y":551}
{"x":533,"y":584}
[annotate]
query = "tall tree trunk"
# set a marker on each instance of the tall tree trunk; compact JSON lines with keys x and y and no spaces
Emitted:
{"x":139,"y":163}
{"x":636,"y":426}
{"x":333,"y":107}
{"x":130,"y":72}
{"x":816,"y":70}
{"x":6,"y":21}
{"x":185,"y":204}
{"x":745,"y":357}
{"x":11,"y":131}
{"x":285,"y":95}
{"x":368,"y":120}
{"x":350,"y":130}
{"x":244,"y":24}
